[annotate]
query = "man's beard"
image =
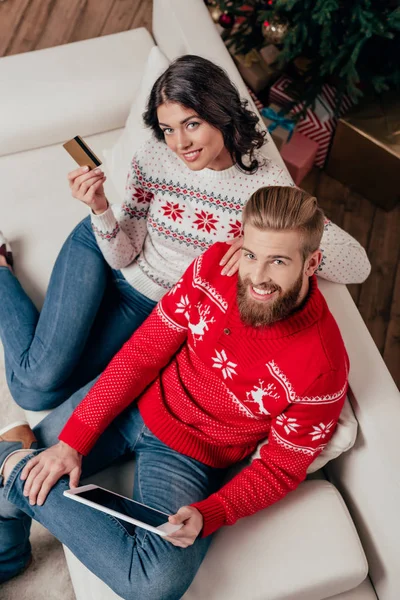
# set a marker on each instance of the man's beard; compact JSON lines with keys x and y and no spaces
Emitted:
{"x":259,"y":313}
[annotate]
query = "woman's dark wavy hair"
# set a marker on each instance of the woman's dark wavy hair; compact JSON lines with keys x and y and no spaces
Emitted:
{"x":199,"y":84}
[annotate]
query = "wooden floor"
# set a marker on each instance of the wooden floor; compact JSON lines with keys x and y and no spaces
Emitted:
{"x":378,"y":298}
{"x":32,"y":24}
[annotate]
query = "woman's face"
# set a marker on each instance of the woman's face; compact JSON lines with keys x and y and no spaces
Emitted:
{"x":194,"y":140}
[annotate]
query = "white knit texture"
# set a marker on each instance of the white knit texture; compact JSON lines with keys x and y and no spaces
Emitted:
{"x":171,"y":214}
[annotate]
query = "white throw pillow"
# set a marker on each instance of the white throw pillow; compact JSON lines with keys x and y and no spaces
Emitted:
{"x":343,"y":439}
{"x":117,"y":159}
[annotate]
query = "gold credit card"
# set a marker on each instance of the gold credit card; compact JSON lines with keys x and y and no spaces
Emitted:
{"x":81,"y":153}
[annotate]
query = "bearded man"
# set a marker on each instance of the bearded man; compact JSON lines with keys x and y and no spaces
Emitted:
{"x":221,"y":364}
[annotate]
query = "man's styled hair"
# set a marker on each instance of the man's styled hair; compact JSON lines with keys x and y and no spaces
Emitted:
{"x":287,"y":208}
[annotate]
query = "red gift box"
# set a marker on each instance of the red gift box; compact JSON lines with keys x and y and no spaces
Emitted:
{"x":319,"y":124}
{"x":299,"y":156}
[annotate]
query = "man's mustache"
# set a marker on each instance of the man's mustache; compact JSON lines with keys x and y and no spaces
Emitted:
{"x":263,"y":286}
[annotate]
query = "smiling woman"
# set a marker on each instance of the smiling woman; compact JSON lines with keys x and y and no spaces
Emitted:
{"x":185,"y":190}
{"x":226,"y":130}
{"x":193,"y":139}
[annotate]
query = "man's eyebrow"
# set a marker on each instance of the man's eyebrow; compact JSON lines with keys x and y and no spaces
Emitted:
{"x":273,"y":256}
{"x":182,"y":122}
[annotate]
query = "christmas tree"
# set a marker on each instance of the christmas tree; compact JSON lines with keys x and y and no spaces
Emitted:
{"x":353,"y":44}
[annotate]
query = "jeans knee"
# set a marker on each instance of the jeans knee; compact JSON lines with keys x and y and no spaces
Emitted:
{"x":33,"y":399}
{"x":163,"y":580}
{"x":164,"y":588}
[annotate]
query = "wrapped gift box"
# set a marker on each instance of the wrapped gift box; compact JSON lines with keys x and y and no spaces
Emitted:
{"x":318,"y":124}
{"x":299,"y":156}
{"x":326,"y":101}
{"x":257,"y":102}
{"x":280,"y":127}
{"x":366,"y":150}
{"x":270,"y":54}
{"x":255,"y":71}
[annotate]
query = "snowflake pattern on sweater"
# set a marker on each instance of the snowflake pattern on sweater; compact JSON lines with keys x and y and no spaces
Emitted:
{"x":171,"y":214}
{"x":212,"y":388}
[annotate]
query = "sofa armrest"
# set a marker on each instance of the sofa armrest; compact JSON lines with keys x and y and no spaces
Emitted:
{"x":367,"y":475}
{"x":305,"y":547}
{"x":369,"y":377}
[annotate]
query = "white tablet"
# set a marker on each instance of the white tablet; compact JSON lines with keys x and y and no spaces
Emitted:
{"x":123,"y":508}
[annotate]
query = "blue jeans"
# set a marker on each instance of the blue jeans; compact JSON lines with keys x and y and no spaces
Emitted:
{"x":89,"y":312}
{"x":135,"y":563}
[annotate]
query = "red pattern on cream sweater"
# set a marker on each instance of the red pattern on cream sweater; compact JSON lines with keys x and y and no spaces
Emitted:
{"x":212,"y":388}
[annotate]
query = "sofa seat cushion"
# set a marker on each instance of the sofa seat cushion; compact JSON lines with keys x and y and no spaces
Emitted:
{"x":38,"y":211}
{"x":305,"y":547}
{"x":364,"y":591}
{"x":50,"y":95}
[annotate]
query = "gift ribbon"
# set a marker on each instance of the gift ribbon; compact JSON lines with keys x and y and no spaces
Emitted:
{"x":278,"y":120}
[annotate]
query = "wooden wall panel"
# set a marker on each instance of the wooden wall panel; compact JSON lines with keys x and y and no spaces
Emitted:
{"x":121,"y":16}
{"x":61,"y":23}
{"x":32,"y":26}
{"x":11,"y":15}
{"x":391,"y":353}
{"x":377,"y":292}
{"x":358,"y":220}
{"x":92,"y":19}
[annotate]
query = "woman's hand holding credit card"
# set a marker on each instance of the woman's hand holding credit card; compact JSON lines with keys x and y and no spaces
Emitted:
{"x":86,"y":183}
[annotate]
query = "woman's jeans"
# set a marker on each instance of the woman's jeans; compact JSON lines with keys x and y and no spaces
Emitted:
{"x":135,"y":563}
{"x":89,"y":312}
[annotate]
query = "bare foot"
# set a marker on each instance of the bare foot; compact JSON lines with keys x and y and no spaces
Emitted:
{"x":13,"y":460}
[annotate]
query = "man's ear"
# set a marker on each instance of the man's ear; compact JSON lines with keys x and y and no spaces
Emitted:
{"x":312,"y":263}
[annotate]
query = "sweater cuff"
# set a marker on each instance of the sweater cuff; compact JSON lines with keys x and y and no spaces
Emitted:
{"x":78,"y":435}
{"x":214,"y":515}
{"x":105,"y":222}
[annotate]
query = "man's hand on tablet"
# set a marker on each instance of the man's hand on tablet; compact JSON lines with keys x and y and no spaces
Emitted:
{"x":192,"y":521}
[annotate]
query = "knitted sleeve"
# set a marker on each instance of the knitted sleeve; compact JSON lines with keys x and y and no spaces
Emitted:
{"x":121,"y":230}
{"x":344,"y":259}
{"x":296,"y":438}
{"x":132,"y":369}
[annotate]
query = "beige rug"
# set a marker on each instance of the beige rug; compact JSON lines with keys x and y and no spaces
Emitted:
{"x":47,"y":577}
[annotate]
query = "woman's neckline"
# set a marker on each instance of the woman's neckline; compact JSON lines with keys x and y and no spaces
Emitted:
{"x":223,"y":174}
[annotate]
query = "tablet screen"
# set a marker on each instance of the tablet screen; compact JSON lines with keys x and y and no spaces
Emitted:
{"x":125,"y":506}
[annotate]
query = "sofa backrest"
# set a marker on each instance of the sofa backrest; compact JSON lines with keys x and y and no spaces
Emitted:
{"x":367,"y":475}
{"x":39,"y":103}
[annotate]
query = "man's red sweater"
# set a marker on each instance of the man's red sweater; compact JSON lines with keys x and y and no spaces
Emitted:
{"x":212,"y":388}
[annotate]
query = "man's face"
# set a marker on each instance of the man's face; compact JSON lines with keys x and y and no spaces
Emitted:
{"x":273,"y":277}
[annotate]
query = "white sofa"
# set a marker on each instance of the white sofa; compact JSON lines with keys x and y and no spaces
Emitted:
{"x":306,"y":547}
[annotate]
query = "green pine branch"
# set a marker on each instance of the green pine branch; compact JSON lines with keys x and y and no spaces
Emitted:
{"x":353,"y":44}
